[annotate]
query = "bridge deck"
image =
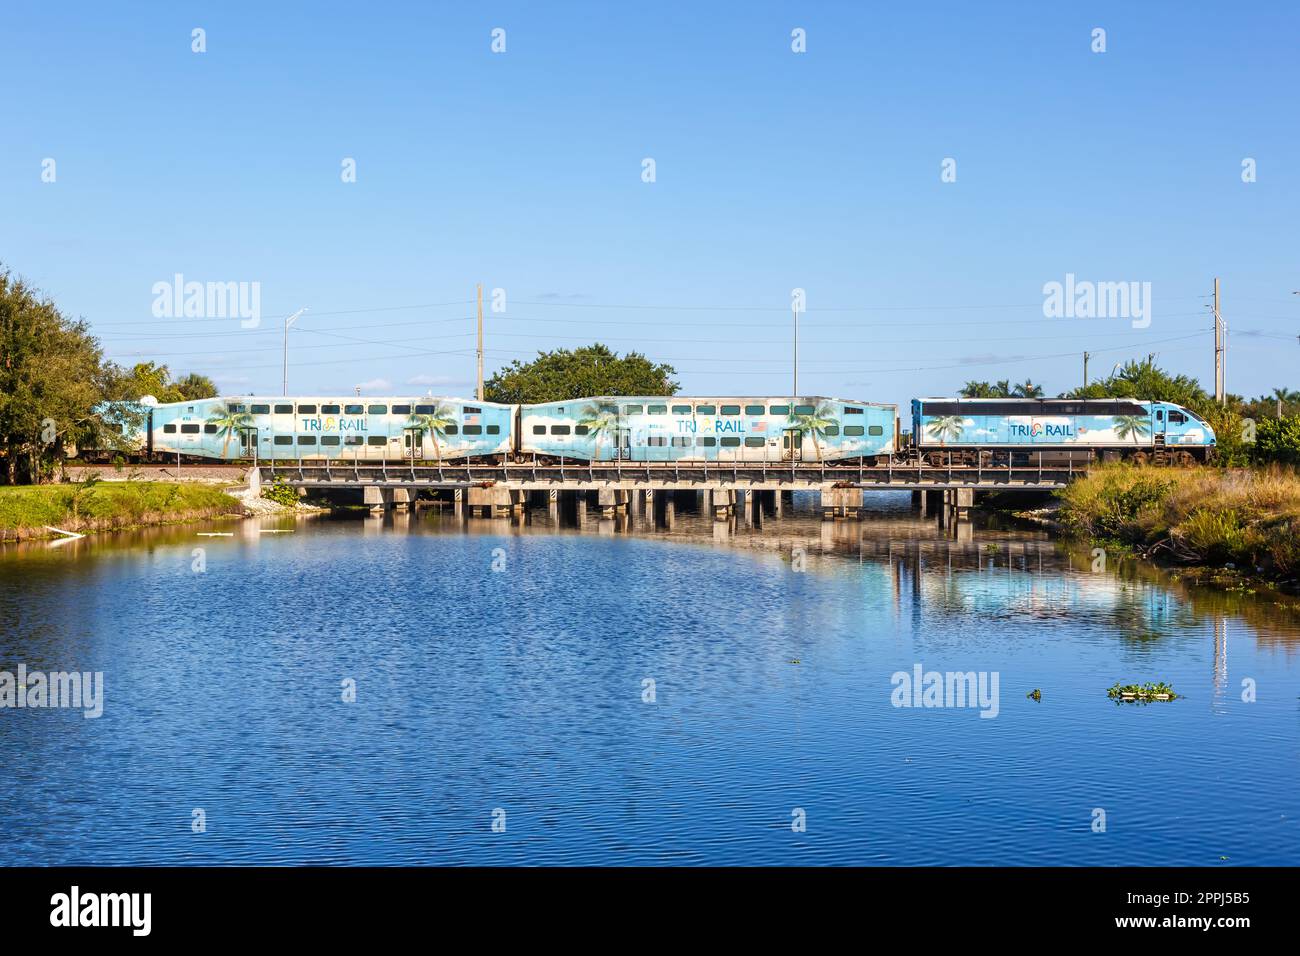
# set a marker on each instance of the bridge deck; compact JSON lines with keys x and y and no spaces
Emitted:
{"x":668,"y":476}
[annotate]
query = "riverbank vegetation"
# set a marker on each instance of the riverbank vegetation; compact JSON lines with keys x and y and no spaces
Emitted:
{"x":1246,"y":519}
{"x":29,"y":511}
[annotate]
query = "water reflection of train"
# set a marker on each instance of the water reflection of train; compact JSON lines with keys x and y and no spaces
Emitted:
{"x":666,"y":429}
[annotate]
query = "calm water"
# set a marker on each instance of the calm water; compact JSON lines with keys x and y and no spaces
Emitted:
{"x":521,"y":689}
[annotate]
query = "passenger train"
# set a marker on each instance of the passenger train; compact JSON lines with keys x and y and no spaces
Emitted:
{"x":665,"y":429}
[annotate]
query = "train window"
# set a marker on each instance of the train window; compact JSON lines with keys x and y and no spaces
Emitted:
{"x":354,"y":409}
{"x":329,"y":439}
{"x":471,"y":410}
{"x":681,"y":409}
{"x":730,"y":441}
{"x":306,"y":439}
{"x":834,"y":430}
{"x":376,"y":440}
{"x":473,"y":430}
{"x":804,"y":410}
{"x":1177,"y":418}
{"x":424,"y":409}
{"x":450,"y":429}
{"x":1160,"y":415}
{"x":850,"y":410}
{"x":682,"y":442}
{"x":730,"y":409}
{"x":706,"y":442}
{"x":706,"y":409}
{"x":169,"y":429}
{"x":755,"y":410}
{"x":284,"y":409}
{"x":261,"y":409}
{"x":633,"y":409}
{"x":401,"y":409}
{"x":377,"y":410}
{"x":539,"y":429}
{"x":284,"y":439}
{"x":875,"y":429}
{"x":612,"y":409}
{"x":580,"y":429}
{"x":329,"y":409}
{"x":306,"y":409}
{"x":209,"y":429}
{"x":754,"y":443}
{"x":494,"y":429}
{"x":236,"y":409}
{"x":656,"y":409}
{"x":353,"y":440}
{"x":779,"y":410}
{"x":657,"y":441}
{"x":853,"y":431}
{"x":559,"y":429}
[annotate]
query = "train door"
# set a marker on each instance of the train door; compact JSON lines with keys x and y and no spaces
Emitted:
{"x":412,"y":443}
{"x":248,"y":443}
{"x":623,"y":444}
{"x":792,"y":444}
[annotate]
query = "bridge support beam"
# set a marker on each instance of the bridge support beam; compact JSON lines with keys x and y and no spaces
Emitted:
{"x":841,"y":502}
{"x":611,"y":501}
{"x":488,"y":502}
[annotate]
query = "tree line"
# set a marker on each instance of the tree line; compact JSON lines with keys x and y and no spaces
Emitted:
{"x":53,"y":374}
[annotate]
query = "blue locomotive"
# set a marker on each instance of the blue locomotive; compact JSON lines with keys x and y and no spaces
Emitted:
{"x":1056,"y":430}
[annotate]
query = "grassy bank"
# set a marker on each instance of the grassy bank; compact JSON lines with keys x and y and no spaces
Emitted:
{"x":1248,"y":519}
{"x":26,"y":510}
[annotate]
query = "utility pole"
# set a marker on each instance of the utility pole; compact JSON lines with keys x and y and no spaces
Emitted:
{"x":1086,"y":356}
{"x":795,"y":393}
{"x":284,"y":380}
{"x":480,"y":341}
{"x":1220,"y":347}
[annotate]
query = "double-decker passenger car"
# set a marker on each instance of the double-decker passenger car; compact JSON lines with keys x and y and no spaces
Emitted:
{"x":723,"y":429}
{"x":1019,"y":430}
{"x":324,"y":427}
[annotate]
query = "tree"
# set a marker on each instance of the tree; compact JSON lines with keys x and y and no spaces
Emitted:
{"x":433,"y":425}
{"x":591,"y":370}
{"x":1000,"y":389}
{"x":229,"y":424}
{"x":945,"y":427}
{"x":600,"y":421}
{"x":195,"y":386}
{"x":51,"y":377}
{"x":1027,"y":389}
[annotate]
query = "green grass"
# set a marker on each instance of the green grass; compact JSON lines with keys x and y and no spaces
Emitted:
{"x":25,"y":510}
{"x":1249,"y":518}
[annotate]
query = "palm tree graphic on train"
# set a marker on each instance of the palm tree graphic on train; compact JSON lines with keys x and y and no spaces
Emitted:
{"x":600,"y":422}
{"x":229,"y":424}
{"x":433,"y":424}
{"x":946,"y":427}
{"x":1132,"y":426}
{"x":815,"y":424}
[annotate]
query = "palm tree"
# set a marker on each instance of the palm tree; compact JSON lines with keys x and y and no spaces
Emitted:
{"x":945,"y":427}
{"x":229,"y":424}
{"x":815,"y":424}
{"x":1134,"y":426}
{"x":433,"y":425}
{"x":1027,"y":389}
{"x":599,"y":420}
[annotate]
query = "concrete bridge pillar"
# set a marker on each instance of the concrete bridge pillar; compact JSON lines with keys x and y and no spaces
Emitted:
{"x":611,"y":501}
{"x":723,"y":503}
{"x":841,"y":502}
{"x":488,"y":501}
{"x":458,"y":502}
{"x":378,"y":499}
{"x":553,"y":504}
{"x":402,"y":498}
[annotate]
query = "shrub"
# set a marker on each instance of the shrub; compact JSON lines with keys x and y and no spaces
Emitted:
{"x":281,"y":493}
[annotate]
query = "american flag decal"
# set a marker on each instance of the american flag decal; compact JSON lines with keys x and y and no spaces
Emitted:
{"x":760,"y":426}
{"x":471,"y":419}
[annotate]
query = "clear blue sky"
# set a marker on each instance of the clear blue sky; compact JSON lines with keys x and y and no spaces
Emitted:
{"x":775,"y":170}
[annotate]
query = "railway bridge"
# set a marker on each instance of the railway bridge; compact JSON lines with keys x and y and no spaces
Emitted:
{"x":492,"y":489}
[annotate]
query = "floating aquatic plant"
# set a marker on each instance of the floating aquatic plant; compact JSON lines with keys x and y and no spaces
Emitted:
{"x":1141,"y":693}
{"x":1035,"y":694}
